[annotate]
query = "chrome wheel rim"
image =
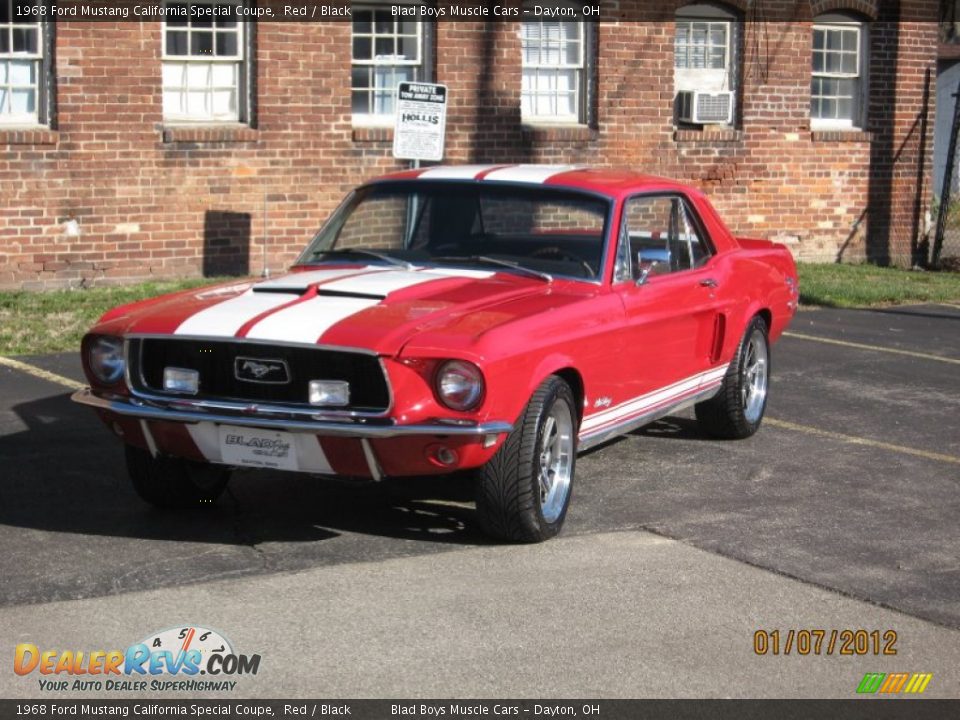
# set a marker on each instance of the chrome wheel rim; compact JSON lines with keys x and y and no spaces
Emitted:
{"x":556,"y":461}
{"x":754,"y":376}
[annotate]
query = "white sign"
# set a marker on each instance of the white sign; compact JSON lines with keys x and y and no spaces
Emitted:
{"x":421,"y":121}
{"x":251,"y":447}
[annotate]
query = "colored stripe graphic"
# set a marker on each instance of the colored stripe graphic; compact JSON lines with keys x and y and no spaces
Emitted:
{"x":894,"y":683}
{"x":918,"y":683}
{"x":871,"y":682}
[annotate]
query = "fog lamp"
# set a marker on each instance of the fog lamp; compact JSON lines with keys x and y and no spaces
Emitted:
{"x":181,"y":380}
{"x":332,"y":393}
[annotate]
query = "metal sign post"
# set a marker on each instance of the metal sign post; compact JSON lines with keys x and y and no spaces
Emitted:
{"x":419,"y":131}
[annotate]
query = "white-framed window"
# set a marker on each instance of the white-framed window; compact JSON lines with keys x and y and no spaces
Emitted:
{"x":387,"y":50}
{"x":838,"y":71}
{"x":21,"y":62}
{"x":705,"y":57}
{"x":554,"y":65}
{"x":702,"y":45}
{"x":204,"y":63}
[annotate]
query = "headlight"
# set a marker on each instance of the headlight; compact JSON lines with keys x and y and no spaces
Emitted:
{"x":459,"y":385}
{"x":106,"y":359}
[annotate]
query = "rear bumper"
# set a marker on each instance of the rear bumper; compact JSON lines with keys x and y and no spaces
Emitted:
{"x":378,"y":448}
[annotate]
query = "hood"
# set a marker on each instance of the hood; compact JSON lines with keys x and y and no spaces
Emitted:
{"x":374,"y":308}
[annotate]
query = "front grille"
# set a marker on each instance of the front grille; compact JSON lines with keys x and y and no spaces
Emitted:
{"x":215,"y":361}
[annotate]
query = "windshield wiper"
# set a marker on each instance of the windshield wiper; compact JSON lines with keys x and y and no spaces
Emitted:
{"x":366,"y":253}
{"x":493,"y":261}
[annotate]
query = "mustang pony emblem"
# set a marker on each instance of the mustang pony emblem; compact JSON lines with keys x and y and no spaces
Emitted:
{"x":264,"y":371}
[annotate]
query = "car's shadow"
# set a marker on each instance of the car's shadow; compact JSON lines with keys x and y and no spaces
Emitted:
{"x":63,"y":471}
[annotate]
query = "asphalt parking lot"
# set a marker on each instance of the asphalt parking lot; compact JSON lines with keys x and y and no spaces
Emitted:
{"x":840,"y":513}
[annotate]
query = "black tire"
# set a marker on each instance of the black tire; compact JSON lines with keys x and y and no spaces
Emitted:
{"x":174,"y":483}
{"x":509,"y":500}
{"x":725,"y":415}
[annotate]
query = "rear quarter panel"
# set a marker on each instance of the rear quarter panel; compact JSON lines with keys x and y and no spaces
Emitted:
{"x":756,"y":276}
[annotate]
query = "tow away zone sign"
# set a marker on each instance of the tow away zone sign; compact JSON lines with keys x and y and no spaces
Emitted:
{"x":421,"y":122}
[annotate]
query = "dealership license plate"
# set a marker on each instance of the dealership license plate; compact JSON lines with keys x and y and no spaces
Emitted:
{"x":251,"y":447}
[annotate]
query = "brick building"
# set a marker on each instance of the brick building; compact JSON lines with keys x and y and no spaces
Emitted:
{"x":133,"y":148}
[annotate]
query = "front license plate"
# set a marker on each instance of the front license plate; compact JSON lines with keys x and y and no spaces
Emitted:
{"x":251,"y":447}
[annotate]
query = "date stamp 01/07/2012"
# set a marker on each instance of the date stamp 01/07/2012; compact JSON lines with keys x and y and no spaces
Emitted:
{"x":820,"y":641}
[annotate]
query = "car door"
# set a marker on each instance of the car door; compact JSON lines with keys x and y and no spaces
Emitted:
{"x":672,"y":310}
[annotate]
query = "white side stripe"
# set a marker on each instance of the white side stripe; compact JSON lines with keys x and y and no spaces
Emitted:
{"x":224,"y":319}
{"x":637,"y":405}
{"x":530,"y":173}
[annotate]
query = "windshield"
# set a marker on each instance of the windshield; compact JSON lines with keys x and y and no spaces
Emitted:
{"x":538,"y":231}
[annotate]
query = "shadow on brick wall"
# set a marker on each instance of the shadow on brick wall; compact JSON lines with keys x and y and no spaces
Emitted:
{"x":883,"y":80}
{"x":226,"y":243}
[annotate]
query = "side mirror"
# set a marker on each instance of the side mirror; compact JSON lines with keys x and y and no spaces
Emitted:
{"x":645,"y":272}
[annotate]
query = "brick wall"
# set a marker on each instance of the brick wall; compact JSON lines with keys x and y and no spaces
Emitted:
{"x":110,"y":195}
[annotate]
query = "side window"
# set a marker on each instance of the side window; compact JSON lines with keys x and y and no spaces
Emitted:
{"x":662,"y":237}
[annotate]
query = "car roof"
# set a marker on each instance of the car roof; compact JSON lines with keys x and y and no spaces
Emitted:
{"x":606,"y":181}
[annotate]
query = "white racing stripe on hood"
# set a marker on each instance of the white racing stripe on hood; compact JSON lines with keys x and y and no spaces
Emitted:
{"x":530,"y":173}
{"x":302,"y":280}
{"x":226,"y":318}
{"x":384,"y":283}
{"x":306,"y":322}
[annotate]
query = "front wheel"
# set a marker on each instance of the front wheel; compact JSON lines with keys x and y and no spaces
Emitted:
{"x":737,"y":410}
{"x":524,"y":490}
{"x":174,"y":483}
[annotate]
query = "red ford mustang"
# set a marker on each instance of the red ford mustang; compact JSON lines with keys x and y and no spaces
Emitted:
{"x":496,"y":318}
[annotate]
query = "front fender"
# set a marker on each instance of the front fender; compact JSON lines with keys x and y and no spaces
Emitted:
{"x":512,"y":382}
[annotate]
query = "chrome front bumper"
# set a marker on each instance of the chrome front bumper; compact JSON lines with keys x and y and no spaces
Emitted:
{"x":356,"y":428}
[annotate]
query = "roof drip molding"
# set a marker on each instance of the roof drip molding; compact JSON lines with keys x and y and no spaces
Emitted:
{"x":867,"y":8}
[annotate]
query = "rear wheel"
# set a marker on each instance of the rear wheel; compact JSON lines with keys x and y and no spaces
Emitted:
{"x":172,"y":482}
{"x":524,"y":490}
{"x":737,"y":410}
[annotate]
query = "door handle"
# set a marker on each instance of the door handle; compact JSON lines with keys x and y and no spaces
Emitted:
{"x":709,"y":282}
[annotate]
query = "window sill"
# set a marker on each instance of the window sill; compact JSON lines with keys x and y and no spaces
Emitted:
{"x":853,"y":135}
{"x":558,"y":132}
{"x":28,"y":136}
{"x":708,"y":134}
{"x":372,"y":133}
{"x":209,"y":134}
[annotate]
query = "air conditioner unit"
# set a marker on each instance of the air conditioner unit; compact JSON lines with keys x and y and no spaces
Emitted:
{"x":695,"y":106}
